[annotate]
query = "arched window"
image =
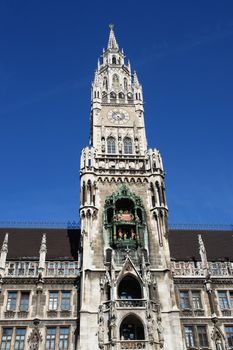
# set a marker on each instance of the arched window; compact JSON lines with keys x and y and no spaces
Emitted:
{"x":105,"y":83}
{"x":158,"y":188}
{"x":129,"y":288}
{"x":121,"y":96}
{"x":132,"y":328}
{"x":113,"y":59}
{"x":112,"y":96}
{"x":115,"y":81}
{"x":104,"y":96}
{"x":111,"y":145}
{"x":128,"y":147}
{"x":125,"y":83}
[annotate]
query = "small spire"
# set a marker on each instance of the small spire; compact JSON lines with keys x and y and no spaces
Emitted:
{"x":3,"y":255}
{"x":203,"y":255}
{"x":129,"y":66}
{"x":5,"y":244}
{"x":112,"y":43}
{"x":135,"y":79}
{"x":43,"y":251}
{"x":43,"y":247}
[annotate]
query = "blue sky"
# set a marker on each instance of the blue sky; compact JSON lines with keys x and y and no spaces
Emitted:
{"x":183,"y":53}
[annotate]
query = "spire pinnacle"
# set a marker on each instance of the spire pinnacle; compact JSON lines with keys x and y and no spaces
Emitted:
{"x":135,"y":79}
{"x":112,"y":43}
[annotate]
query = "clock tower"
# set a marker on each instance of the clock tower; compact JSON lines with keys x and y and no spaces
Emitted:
{"x":127,"y":298}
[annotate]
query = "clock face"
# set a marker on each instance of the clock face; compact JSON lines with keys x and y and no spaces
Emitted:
{"x":118,"y":116}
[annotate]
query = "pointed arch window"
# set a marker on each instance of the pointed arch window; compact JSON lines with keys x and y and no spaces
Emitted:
{"x":125,"y":83}
{"x":132,"y":328}
{"x":104,"y":96}
{"x":111,"y":145}
{"x":115,"y":81}
{"x":113,"y":59}
{"x":112,"y":96}
{"x":105,"y":83}
{"x":128,"y":146}
{"x":121,"y":96}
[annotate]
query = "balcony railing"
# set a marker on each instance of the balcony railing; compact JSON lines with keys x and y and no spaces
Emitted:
{"x":132,"y":344}
{"x":61,"y":269}
{"x":127,"y":344}
{"x":130,"y":303}
{"x":31,"y":269}
{"x":191,"y":269}
{"x":192,"y":312}
{"x":21,"y":269}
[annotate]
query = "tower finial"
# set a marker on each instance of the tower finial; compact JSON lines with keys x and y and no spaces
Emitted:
{"x":112,"y":43}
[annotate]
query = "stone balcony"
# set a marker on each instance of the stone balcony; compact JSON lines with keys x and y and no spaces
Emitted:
{"x":195,"y":269}
{"x":30,"y":269}
{"x":128,"y":344}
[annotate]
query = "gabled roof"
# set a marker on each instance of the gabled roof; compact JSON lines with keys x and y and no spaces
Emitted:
{"x":24,"y":243}
{"x":184,"y":244}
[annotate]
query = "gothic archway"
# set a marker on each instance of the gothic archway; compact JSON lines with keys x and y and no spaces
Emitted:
{"x":132,"y":328}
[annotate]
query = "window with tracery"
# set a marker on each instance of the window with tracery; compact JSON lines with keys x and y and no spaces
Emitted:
{"x":128,"y":146}
{"x":111,"y":145}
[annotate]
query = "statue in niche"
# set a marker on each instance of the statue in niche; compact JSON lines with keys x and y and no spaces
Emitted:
{"x":120,"y":144}
{"x":34,"y":339}
{"x":103,"y":144}
{"x":113,"y":322}
{"x":101,"y":327}
{"x":136,"y":144}
{"x":160,"y":331}
{"x":150,"y":324}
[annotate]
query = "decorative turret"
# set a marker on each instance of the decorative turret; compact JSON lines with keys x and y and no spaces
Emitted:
{"x":202,"y":252}
{"x":43,"y":251}
{"x":3,"y":254}
{"x":112,"y":43}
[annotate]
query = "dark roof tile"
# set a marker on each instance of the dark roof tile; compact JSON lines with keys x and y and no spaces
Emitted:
{"x":184,"y":244}
{"x":24,"y":243}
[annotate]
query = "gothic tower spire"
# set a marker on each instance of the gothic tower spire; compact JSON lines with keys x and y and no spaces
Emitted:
{"x":112,"y":43}
{"x":123,"y":210}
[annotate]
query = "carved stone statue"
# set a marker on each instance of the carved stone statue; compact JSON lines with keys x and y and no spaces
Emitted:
{"x":101,"y":328}
{"x":150,"y":327}
{"x":113,"y":322}
{"x":34,"y":339}
{"x":160,"y":331}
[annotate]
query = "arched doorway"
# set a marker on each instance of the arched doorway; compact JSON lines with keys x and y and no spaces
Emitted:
{"x":131,"y":328}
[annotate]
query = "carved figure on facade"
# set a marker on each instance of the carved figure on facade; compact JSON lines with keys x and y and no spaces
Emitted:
{"x":119,"y":144}
{"x":113,"y":318}
{"x":101,"y":327}
{"x":160,"y":331}
{"x":150,"y":323}
{"x":218,"y":336}
{"x":34,"y":339}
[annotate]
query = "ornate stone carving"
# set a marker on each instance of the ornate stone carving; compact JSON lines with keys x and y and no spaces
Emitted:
{"x":101,"y":327}
{"x":34,"y":339}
